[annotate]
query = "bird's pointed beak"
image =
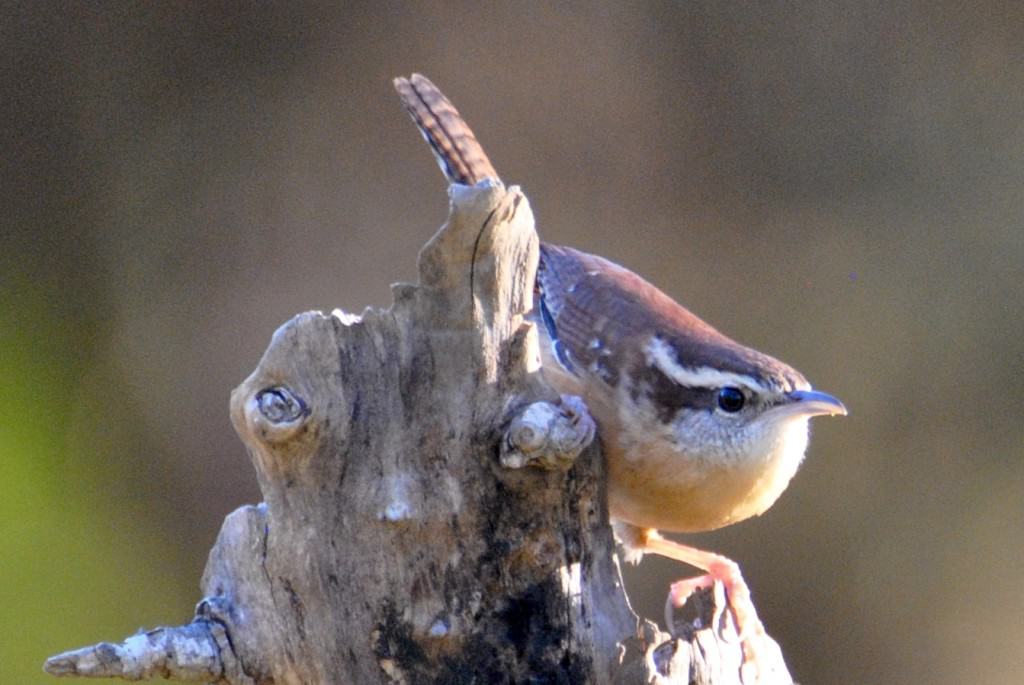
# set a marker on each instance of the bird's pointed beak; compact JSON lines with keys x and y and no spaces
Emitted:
{"x":812,"y":403}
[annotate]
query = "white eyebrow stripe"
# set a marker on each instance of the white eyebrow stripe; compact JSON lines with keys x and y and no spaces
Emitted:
{"x":662,"y":357}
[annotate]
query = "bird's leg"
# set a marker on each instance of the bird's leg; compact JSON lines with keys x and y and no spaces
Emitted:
{"x":719,"y":568}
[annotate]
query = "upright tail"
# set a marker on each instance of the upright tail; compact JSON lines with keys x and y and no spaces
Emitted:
{"x":463,"y":161}
{"x":457,"y":151}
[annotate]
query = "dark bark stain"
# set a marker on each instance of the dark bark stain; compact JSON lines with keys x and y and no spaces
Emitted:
{"x":298,"y":607}
{"x":394,"y":641}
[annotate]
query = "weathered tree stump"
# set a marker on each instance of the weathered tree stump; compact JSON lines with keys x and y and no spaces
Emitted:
{"x":433,"y":512}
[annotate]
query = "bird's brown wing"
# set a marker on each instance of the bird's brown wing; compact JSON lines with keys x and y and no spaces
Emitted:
{"x":604,"y":316}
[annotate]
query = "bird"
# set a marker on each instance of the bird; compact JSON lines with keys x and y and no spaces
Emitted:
{"x":698,"y":430}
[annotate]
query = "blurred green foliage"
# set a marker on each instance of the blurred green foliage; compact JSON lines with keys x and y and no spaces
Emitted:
{"x":71,"y":573}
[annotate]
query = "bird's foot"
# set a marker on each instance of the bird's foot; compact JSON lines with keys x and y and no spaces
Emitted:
{"x":737,"y":597}
{"x":734,"y":618}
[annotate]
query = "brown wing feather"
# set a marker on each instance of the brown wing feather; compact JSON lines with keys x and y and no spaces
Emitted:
{"x":601,"y":310}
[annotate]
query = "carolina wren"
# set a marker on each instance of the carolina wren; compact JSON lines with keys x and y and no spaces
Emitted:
{"x":699,"y":431}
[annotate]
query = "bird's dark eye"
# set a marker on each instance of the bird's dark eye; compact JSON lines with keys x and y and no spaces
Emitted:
{"x":731,"y":399}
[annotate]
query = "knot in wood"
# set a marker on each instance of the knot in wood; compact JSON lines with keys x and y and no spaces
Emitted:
{"x":280,"y":405}
{"x":548,"y":436}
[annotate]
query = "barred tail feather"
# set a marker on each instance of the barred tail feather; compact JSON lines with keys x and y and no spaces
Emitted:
{"x":458,"y":153}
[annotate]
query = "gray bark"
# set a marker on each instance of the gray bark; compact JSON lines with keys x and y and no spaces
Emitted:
{"x":433,"y":512}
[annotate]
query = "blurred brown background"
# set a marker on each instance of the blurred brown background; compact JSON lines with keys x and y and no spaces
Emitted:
{"x":836,"y":184}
